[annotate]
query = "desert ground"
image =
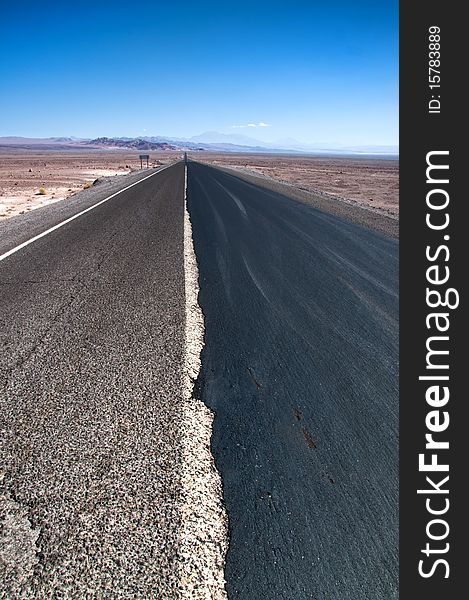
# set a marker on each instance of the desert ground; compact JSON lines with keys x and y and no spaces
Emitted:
{"x":368,"y":182}
{"x":31,"y":179}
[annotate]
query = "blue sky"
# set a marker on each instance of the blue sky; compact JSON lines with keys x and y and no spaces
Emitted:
{"x":315,"y":71}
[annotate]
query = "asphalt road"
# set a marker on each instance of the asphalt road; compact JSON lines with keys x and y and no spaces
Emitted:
{"x":300,"y":367}
{"x":92,"y":325}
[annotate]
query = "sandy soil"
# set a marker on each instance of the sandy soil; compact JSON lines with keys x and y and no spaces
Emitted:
{"x":368,"y":182}
{"x":61,"y":174}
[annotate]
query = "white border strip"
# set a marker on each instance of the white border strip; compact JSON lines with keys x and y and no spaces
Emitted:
{"x":44,"y":233}
{"x":203,"y":538}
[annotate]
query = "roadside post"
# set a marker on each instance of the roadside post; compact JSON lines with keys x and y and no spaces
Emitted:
{"x":142,"y":158}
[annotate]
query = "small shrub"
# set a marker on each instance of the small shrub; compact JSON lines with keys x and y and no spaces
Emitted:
{"x":42,"y":191}
{"x":87,"y":185}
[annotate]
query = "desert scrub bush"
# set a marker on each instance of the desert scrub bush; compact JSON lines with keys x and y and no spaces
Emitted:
{"x":42,"y":191}
{"x":87,"y":185}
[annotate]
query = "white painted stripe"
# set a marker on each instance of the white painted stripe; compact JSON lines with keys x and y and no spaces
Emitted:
{"x":203,"y":538}
{"x":44,"y":233}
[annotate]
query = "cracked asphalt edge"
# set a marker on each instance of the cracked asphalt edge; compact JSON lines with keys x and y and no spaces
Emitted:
{"x":18,"y":545}
{"x":204,"y":532}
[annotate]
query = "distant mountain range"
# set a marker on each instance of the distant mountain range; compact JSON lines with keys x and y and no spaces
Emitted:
{"x":130,"y":144}
{"x":214,"y":137}
{"x":209,"y":141}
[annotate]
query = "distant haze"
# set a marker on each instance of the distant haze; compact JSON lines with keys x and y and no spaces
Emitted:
{"x":211,"y":141}
{"x":289,"y":143}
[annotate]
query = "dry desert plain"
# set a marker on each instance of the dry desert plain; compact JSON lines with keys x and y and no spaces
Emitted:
{"x":372,"y":183}
{"x":60,"y":174}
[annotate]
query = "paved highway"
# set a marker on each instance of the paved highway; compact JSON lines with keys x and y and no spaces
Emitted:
{"x":300,"y":367}
{"x":92,"y":324}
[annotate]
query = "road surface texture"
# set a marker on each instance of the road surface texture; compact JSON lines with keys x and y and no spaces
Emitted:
{"x":300,"y":368}
{"x":92,"y":324}
{"x":107,"y":485}
{"x":16,"y":230}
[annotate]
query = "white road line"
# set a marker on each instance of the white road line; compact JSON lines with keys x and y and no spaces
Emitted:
{"x":44,"y":233}
{"x":203,"y":538}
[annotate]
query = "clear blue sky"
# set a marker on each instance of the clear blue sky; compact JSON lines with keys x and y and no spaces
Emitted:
{"x":315,"y":71}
